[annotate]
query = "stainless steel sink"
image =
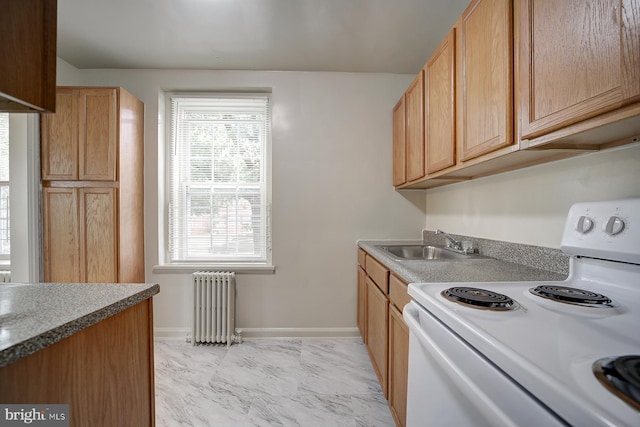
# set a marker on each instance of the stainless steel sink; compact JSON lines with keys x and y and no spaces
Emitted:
{"x":426,"y":252}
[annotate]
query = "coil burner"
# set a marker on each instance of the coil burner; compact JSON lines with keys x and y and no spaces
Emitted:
{"x":570,"y":295}
{"x":479,"y":298}
{"x":621,"y":376}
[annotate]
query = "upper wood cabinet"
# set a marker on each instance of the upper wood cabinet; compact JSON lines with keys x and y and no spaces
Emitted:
{"x":535,"y":81}
{"x":28,"y":55}
{"x":439,"y":106}
{"x":414,"y":130}
{"x":399,"y":143}
{"x":484,"y":78}
{"x":577,"y":59}
{"x":93,"y":187}
{"x":80,"y":141}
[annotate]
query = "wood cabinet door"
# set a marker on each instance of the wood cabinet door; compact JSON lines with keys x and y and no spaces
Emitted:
{"x":439,"y":106}
{"x":98,"y":134}
{"x":377,"y":331}
{"x":484,"y":78}
{"x":414,"y":128}
{"x":577,"y":59}
{"x":398,"y":366}
{"x":98,"y":227}
{"x":59,"y":140}
{"x":399,"y":144}
{"x":61,"y":238}
{"x":362,"y":303}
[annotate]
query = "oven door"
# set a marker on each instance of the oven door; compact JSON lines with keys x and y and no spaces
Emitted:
{"x":451,"y":384}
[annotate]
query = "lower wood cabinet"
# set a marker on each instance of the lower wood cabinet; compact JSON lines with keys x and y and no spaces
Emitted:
{"x":377,"y":331}
{"x":398,"y":365}
{"x":398,"y":349}
{"x":362,"y":303}
{"x":104,"y":372}
{"x":381,"y":298}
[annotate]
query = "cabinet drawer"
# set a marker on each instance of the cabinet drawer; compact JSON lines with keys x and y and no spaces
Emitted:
{"x":398,"y":292}
{"x":361,"y":257}
{"x":378,"y":273}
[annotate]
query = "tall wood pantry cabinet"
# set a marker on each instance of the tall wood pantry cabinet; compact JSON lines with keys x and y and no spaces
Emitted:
{"x":92,"y":186}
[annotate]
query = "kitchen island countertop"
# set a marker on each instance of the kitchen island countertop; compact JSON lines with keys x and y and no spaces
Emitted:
{"x":490,"y":269}
{"x":34,"y":316}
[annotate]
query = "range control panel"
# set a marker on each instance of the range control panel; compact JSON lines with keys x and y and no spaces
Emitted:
{"x":606,"y":230}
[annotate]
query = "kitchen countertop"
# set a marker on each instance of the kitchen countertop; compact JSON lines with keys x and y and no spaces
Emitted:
{"x":491,"y":269}
{"x":34,"y":316}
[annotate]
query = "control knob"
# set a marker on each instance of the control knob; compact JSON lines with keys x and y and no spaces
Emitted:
{"x":613,"y":226}
{"x":584,"y":225}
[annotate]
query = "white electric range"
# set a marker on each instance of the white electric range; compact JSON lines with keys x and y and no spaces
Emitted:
{"x":536,"y":353}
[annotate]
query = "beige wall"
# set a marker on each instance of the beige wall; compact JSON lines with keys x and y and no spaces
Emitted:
{"x":530,"y":205}
{"x":66,"y":74}
{"x":331,"y":186}
{"x":332,"y":175}
{"x":19,"y":201}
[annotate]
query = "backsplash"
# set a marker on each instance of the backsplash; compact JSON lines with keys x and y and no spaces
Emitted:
{"x":533,"y":256}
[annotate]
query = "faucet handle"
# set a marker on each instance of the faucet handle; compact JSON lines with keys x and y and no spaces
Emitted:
{"x":468,"y":248}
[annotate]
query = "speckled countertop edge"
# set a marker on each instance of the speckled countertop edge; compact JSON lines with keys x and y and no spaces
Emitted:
{"x":507,"y":262}
{"x":45,"y":332}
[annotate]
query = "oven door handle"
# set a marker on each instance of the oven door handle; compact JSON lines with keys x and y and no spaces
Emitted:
{"x":466,"y":385}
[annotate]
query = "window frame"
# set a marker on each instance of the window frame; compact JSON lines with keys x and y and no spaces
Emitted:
{"x":5,"y":259}
{"x":166,"y":263}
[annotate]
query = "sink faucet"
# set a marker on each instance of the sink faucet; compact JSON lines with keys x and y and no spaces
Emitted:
{"x":451,"y":242}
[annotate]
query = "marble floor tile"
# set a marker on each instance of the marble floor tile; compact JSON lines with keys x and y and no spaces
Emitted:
{"x":332,"y":366}
{"x":268,"y":382}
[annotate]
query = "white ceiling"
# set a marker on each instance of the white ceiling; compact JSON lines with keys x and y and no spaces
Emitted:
{"x":389,"y":36}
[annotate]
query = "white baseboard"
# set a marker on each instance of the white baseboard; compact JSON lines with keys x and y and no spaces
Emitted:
{"x":171,"y":333}
{"x":299,"y":332}
{"x":181,"y":333}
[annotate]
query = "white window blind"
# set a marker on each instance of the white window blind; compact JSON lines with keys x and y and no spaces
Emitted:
{"x":218,"y":189}
{"x":5,"y":243}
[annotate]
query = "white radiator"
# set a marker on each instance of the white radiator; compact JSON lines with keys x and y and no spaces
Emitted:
{"x":5,"y":276}
{"x":214,"y":301}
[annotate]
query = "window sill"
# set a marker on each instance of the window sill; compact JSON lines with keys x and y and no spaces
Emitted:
{"x":192,"y":268}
